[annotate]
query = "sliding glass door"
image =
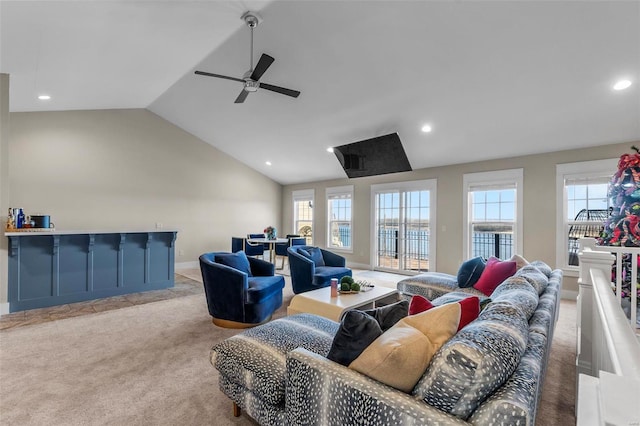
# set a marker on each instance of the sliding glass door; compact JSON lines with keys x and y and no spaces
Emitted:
{"x":404,"y":217}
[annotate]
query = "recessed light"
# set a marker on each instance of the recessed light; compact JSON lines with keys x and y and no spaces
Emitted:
{"x":268,"y":163}
{"x":44,"y":97}
{"x":330,"y":149}
{"x":426,"y":128}
{"x":621,"y":85}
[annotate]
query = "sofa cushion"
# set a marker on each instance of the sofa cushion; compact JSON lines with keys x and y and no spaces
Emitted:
{"x":261,"y":288}
{"x":494,"y":273}
{"x":400,"y":355}
{"x":313,"y":253}
{"x":432,"y":285}
{"x":543,"y":267}
{"x":419,"y":304}
{"x":520,"y":261}
{"x":357,"y":331}
{"x":476,"y":361}
{"x":237,"y":260}
{"x":387,"y":316}
{"x":470,"y":271}
{"x":517,"y":291}
{"x":536,"y":278}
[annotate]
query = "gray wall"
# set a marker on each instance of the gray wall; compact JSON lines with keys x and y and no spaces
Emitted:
{"x":539,"y":204}
{"x":130,"y":169}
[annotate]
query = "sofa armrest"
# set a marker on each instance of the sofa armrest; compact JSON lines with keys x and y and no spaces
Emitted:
{"x":261,"y":268}
{"x":331,"y":394}
{"x":332,"y":259}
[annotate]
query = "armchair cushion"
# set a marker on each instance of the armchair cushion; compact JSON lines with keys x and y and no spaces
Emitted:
{"x":236,"y":260}
{"x":261,"y":288}
{"x":325,"y":273}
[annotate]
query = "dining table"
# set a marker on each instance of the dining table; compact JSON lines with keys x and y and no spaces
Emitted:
{"x":271,"y":244}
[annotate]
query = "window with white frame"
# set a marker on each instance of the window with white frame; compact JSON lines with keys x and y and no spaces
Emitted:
{"x":403,"y":226}
{"x":583,"y":206}
{"x":339,"y":217}
{"x":492,"y":210}
{"x":303,"y":214}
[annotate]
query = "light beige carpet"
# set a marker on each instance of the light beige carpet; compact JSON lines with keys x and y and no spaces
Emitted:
{"x":148,"y":365}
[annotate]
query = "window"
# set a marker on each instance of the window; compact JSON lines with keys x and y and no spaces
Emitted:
{"x":493,"y":214}
{"x":340,"y":230}
{"x":303,"y":214}
{"x":404,"y":215}
{"x":583,"y":206}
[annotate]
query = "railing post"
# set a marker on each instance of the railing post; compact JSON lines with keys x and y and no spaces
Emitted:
{"x":586,"y":355}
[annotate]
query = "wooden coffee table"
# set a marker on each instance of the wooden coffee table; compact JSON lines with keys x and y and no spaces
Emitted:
{"x":321,"y":303}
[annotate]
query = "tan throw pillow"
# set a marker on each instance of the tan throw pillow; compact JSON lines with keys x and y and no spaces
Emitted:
{"x":400,"y":356}
{"x":520,"y":261}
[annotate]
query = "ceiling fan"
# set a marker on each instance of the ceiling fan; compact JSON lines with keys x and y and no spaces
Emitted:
{"x":251,"y":78}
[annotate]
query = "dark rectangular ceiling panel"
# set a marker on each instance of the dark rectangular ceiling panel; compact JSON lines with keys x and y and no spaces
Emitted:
{"x":371,"y":157}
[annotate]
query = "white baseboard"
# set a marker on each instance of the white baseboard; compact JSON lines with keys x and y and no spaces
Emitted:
{"x":187,"y":265}
{"x":4,"y":308}
{"x":359,"y":266}
{"x":569,"y":295}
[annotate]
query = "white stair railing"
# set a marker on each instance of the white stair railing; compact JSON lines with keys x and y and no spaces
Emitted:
{"x":608,"y":349}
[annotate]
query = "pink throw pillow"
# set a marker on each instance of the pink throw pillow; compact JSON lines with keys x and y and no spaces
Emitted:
{"x":494,"y":273}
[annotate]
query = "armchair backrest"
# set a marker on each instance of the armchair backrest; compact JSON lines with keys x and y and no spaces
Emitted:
{"x":223,"y":285}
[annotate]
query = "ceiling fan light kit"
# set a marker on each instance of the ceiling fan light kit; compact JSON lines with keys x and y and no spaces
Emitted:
{"x":251,"y":78}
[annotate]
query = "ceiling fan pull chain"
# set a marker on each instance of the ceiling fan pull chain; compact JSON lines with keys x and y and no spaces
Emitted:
{"x":251,"y":52}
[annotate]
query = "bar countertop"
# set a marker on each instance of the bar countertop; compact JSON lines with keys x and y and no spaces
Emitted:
{"x":37,"y":231}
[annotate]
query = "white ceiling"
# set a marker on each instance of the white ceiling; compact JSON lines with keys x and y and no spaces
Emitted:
{"x":494,"y":79}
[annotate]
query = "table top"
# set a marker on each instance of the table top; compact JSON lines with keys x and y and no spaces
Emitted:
{"x":347,"y":300}
{"x":268,"y":241}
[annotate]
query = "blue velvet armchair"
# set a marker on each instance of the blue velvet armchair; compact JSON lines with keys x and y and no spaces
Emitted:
{"x":241,"y":291}
{"x":312,"y":267}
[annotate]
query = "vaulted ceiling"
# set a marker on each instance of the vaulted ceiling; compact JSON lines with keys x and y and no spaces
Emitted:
{"x":493,"y":79}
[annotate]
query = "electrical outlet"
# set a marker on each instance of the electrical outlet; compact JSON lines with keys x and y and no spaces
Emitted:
{"x":158,"y":225}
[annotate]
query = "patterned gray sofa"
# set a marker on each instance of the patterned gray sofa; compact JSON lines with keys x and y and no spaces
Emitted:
{"x":490,"y":372}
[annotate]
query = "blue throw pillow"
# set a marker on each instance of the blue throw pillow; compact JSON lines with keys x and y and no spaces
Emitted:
{"x":236,"y":260}
{"x":313,"y":253}
{"x":470,"y":271}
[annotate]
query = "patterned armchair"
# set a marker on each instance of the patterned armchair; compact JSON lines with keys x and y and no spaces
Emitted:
{"x":241,"y":291}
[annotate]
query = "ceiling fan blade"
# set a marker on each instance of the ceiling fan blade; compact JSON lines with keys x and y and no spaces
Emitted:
{"x":241,"y":97}
{"x":208,"y":74}
{"x":263,"y":64}
{"x":281,"y":90}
